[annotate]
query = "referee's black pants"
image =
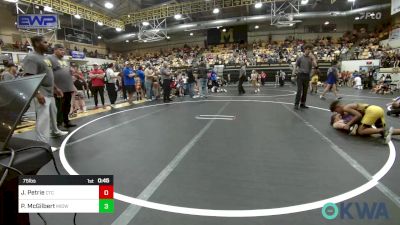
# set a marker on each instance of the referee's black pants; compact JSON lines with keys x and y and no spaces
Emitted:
{"x":303,"y":81}
{"x":166,"y":89}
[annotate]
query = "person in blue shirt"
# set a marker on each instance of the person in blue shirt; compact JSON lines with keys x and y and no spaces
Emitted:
{"x":129,"y":80}
{"x":140,"y":73}
{"x":214,"y":80}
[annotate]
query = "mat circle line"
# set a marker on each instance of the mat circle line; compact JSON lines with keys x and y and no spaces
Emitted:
{"x":236,"y":213}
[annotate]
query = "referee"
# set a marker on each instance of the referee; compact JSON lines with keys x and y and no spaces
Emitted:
{"x":304,"y":65}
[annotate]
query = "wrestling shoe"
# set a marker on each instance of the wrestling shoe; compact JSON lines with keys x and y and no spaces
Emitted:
{"x":353,"y":130}
{"x":304,"y":106}
{"x":58,"y":134}
{"x":388,"y":135}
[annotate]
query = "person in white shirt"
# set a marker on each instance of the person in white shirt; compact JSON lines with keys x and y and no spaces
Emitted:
{"x":111,"y":79}
{"x":358,"y":83}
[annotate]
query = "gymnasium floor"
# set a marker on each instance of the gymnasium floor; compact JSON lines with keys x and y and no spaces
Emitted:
{"x":257,"y":153}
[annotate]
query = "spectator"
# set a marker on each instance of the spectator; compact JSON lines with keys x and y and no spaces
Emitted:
{"x":45,"y":107}
{"x":63,"y":80}
{"x":129,"y":81}
{"x":166,"y":77}
{"x":10,"y":73}
{"x":202,"y":76}
{"x":111,"y":79}
{"x":97,"y":78}
{"x":242,"y":78}
{"x":149,"y":79}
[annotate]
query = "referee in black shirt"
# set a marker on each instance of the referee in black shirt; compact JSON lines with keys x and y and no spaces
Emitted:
{"x":304,"y":65}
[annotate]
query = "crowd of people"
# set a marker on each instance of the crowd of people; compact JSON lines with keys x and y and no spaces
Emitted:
{"x":189,"y":71}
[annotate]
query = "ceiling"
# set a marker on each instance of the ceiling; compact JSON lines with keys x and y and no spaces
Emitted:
{"x":123,"y":7}
{"x":312,"y":6}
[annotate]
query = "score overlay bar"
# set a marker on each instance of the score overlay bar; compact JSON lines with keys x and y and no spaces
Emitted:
{"x":66,"y":194}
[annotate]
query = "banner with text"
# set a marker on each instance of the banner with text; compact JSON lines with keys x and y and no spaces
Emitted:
{"x":37,"y":21}
{"x":237,"y":34}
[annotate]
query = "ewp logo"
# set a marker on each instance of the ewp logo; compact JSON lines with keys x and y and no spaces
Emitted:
{"x":355,"y":210}
{"x":37,"y":21}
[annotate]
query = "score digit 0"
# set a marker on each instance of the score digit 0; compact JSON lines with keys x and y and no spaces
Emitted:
{"x":106,"y":192}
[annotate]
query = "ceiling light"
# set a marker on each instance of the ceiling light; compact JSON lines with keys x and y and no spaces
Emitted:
{"x":118,"y":29}
{"x":100,"y":23}
{"x":108,"y":5}
{"x":218,"y":27}
{"x":216,"y":11}
{"x":145,"y":23}
{"x":12,"y":1}
{"x":224,"y":30}
{"x":98,"y":37}
{"x":178,"y":16}
{"x":351,"y":0}
{"x":292,"y":24}
{"x":129,"y":16}
{"x":258,"y":5}
{"x":186,"y":25}
{"x":304,"y":2}
{"x":256,"y":27}
{"x":132,"y":35}
{"x":48,"y":9}
{"x":127,"y":41}
{"x":156,"y":30}
{"x":191,"y":34}
{"x":357,"y":18}
{"x":326,"y":23}
{"x":145,"y":41}
{"x":168,"y":37}
{"x":77,"y":16}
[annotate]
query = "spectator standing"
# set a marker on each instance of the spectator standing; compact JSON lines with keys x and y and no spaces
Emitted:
{"x":111,"y":80}
{"x":166,"y":77}
{"x":45,"y":106}
{"x":80,"y":85}
{"x":263,"y":78}
{"x":10,"y":73}
{"x":129,"y":81}
{"x":97,"y":78}
{"x":242,"y":78}
{"x":149,"y":79}
{"x":63,"y":80}
{"x":141,"y":75}
{"x":202,"y":76}
{"x":190,"y":81}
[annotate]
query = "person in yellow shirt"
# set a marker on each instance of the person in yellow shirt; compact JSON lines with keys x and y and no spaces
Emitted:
{"x":314,"y":82}
{"x":368,"y":116}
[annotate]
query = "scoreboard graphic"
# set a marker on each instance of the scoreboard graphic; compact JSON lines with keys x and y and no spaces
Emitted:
{"x":66,"y":194}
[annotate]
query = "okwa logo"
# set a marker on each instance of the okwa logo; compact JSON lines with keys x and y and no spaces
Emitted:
{"x":355,"y":210}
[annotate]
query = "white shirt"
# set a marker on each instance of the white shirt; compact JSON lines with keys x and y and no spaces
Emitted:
{"x":357,"y":80}
{"x":110,"y":75}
